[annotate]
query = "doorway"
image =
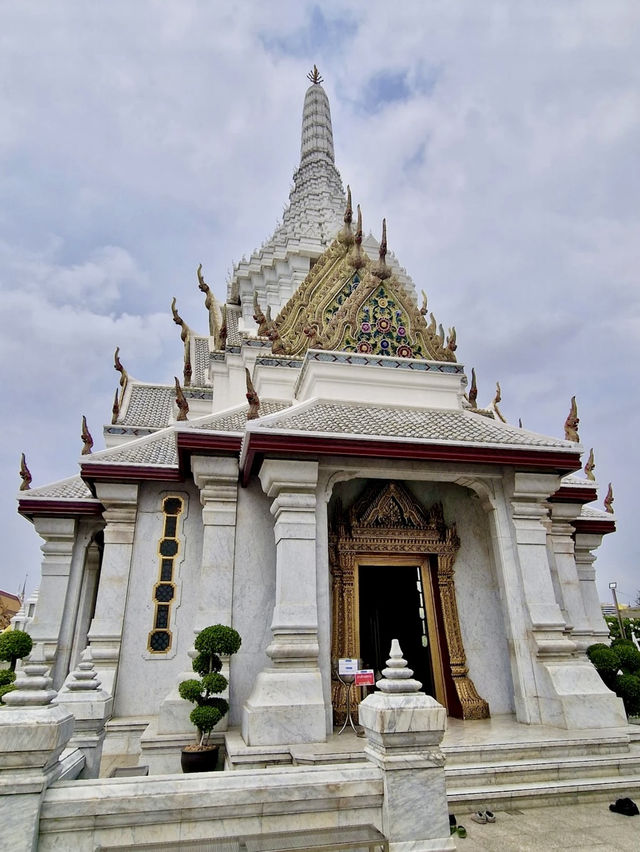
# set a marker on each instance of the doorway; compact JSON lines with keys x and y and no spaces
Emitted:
{"x":392,"y":606}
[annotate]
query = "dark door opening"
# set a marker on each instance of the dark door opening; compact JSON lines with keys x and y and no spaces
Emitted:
{"x":392,"y":606}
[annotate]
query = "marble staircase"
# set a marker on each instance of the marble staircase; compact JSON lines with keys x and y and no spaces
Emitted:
{"x":496,"y":763}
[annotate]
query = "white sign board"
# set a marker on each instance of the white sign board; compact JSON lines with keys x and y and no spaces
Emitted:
{"x":347,"y":666}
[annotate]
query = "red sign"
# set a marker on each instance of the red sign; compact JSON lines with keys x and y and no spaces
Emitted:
{"x":365,"y":677}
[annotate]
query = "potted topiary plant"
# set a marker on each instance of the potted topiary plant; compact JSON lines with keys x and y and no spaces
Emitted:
{"x":211,"y":643}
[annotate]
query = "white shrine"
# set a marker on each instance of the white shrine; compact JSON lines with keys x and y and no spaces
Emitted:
{"x":322,"y":479}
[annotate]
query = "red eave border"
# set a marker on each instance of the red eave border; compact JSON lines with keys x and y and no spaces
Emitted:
{"x":205,"y":444}
{"x":278,"y":444}
{"x":594,"y":525}
{"x":127,"y":473}
{"x":58,"y":508}
{"x":574,"y":494}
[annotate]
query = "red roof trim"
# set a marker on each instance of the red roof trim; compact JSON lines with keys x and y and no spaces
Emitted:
{"x":206,"y":444}
{"x":574,"y":494}
{"x":128,"y":473}
{"x":562,"y":462}
{"x":59,"y":508}
{"x":594,"y":525}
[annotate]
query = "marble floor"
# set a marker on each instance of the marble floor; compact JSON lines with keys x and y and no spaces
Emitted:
{"x":541,"y":829}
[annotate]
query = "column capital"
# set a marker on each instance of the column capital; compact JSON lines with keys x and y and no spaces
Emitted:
{"x":283,"y":475}
{"x":207,"y":470}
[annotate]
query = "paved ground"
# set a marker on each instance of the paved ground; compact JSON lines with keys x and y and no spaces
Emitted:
{"x":585,"y":826}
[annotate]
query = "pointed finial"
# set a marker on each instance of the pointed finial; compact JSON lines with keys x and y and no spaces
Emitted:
{"x":259,"y":316}
{"x":252,"y":398}
{"x":210,"y":303}
{"x":222,"y":334}
{"x":346,"y":235}
{"x":520,"y":422}
{"x":423,"y":309}
{"x":494,"y":405}
{"x":357,"y":259}
{"x":441,"y":334}
{"x":590,"y":466}
{"x":571,"y":423}
{"x":432,"y":327}
{"x":181,"y":402}
{"x":115,"y":410}
{"x":185,"y":337}
{"x":87,"y":440}
{"x":608,"y":500}
{"x":473,"y":390}
{"x":397,"y":678}
{"x":451,"y":339}
{"x":25,"y":474}
{"x":381,"y":270}
{"x":314,"y":76}
{"x":117,"y":365}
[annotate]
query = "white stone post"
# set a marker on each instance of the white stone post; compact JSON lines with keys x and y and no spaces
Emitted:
{"x":57,"y":550}
{"x":286,"y":704}
{"x":105,"y":633}
{"x":33,"y":733}
{"x":404,"y":729}
{"x":91,"y":708}
{"x":561,"y":538}
{"x":585,"y":544}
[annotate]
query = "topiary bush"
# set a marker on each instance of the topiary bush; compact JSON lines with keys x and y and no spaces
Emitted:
{"x":7,"y":678}
{"x":210,"y":644}
{"x":14,"y":645}
{"x":619,"y":668}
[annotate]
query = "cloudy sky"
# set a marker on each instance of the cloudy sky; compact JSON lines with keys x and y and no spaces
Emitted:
{"x":500,"y":140}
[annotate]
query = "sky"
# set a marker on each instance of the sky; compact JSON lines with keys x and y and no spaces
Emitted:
{"x":500,"y":140}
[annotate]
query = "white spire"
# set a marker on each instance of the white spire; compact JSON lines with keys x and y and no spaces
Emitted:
{"x":317,"y":134}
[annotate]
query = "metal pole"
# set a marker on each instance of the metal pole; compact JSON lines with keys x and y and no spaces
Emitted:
{"x":613,"y":587}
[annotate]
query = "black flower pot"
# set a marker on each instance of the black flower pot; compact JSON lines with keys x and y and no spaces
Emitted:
{"x":203,"y":760}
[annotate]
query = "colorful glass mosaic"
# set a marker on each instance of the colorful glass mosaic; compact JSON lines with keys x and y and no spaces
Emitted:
{"x":383,"y":328}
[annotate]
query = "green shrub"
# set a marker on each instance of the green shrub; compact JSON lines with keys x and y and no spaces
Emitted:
{"x":628,"y":688}
{"x":606,"y":662}
{"x":6,"y":676}
{"x":628,"y":658}
{"x":14,"y":645}
{"x":210,"y":644}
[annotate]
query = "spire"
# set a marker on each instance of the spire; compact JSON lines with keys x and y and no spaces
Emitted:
{"x":317,"y":133}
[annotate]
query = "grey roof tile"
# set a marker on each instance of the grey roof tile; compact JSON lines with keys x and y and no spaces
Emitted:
{"x":158,"y":450}
{"x":235,"y":420}
{"x":72,"y":488}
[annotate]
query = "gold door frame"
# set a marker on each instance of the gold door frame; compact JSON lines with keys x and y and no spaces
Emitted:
{"x":388,"y":522}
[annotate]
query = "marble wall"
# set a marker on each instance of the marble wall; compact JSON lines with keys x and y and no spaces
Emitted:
{"x":144,"y":678}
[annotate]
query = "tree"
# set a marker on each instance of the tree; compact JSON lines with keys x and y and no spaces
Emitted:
{"x":14,"y":645}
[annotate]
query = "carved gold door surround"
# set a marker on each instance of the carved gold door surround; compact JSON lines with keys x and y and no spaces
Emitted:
{"x":387,"y":525}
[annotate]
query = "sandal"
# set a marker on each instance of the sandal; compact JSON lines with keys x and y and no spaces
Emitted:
{"x":462,"y":831}
{"x":479,"y":816}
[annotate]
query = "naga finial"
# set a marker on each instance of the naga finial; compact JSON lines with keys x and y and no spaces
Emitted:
{"x":181,"y":402}
{"x":494,"y":405}
{"x":473,"y":390}
{"x":608,"y":500}
{"x":252,"y":398}
{"x":440,"y":334}
{"x":432,"y":327}
{"x":571,"y":423}
{"x":381,"y":270}
{"x":346,"y":235}
{"x":520,"y":423}
{"x":185,"y":337}
{"x":25,"y":474}
{"x":423,"y":309}
{"x":357,"y":260}
{"x":314,"y":76}
{"x":259,"y":316}
{"x":117,"y":365}
{"x":87,"y":440}
{"x":590,"y":466}
{"x":210,"y":303}
{"x":115,"y":410}
{"x":451,"y":339}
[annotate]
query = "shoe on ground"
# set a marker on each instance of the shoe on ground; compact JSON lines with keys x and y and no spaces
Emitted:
{"x":479,"y":817}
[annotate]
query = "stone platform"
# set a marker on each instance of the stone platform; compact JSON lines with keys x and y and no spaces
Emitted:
{"x":495,"y":763}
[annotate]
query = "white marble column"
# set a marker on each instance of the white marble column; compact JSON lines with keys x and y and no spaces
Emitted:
{"x":59,"y":536}
{"x":585,"y":544}
{"x":120,"y":501}
{"x":287,"y":704}
{"x":85,"y":532}
{"x":561,"y":540}
{"x":569,"y":691}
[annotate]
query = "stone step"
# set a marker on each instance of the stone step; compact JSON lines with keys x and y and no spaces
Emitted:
{"x":463,"y":755}
{"x":542,"y":770}
{"x":540,"y":793}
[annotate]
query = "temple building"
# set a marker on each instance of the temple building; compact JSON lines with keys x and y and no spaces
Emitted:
{"x":322,"y":478}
